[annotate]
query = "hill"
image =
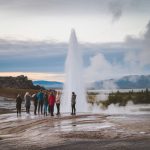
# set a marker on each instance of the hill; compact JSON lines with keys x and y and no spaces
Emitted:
{"x":19,"y":82}
{"x":48,"y":84}
{"x":126,"y":82}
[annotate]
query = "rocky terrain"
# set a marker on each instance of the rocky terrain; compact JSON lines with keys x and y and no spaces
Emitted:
{"x":19,"y":82}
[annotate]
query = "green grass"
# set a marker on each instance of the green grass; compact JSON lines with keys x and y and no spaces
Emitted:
{"x":12,"y":92}
{"x":122,"y":98}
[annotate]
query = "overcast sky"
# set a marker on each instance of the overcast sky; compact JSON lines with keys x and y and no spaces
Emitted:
{"x":114,"y":36}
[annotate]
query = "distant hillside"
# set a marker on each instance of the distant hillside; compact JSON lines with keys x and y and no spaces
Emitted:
{"x":48,"y":84}
{"x":135,"y":81}
{"x":20,"y":82}
{"x":126,"y":82}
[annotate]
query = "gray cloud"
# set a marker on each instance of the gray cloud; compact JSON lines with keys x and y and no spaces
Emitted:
{"x":31,"y":56}
{"x":74,"y":7}
{"x":31,"y":48}
{"x":147,"y":33}
{"x":142,"y":44}
{"x":52,"y":7}
{"x":116,"y":8}
{"x":42,"y":55}
{"x":136,"y":59}
{"x":48,"y":48}
{"x":129,"y":56}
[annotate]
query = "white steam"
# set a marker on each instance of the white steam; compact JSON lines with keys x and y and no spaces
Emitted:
{"x":74,"y":77}
{"x":130,"y":108}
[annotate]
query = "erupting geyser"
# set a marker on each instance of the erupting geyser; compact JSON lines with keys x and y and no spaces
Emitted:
{"x":74,"y":81}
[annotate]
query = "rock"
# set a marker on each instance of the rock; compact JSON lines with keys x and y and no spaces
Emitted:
{"x":19,"y":82}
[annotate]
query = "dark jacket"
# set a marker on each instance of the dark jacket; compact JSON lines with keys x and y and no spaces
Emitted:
{"x":35,"y":99}
{"x":73,"y":99}
{"x":18,"y":102}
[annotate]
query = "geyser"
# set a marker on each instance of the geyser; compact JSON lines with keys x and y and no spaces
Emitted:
{"x":74,"y":81}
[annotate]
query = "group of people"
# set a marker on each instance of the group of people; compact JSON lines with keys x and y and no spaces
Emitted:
{"x":43,"y":100}
{"x":48,"y":100}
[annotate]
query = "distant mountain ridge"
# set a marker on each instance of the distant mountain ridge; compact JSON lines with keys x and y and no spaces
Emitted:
{"x":48,"y":84}
{"x":126,"y":82}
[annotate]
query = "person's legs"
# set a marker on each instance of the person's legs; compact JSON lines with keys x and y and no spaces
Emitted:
{"x":49,"y":108}
{"x":29,"y":109}
{"x":52,"y":110}
{"x":20,"y":110}
{"x":72,"y":109}
{"x":17,"y":111}
{"x":41,"y":107}
{"x":26,"y":109}
{"x":58,"y":109}
{"x":35,"y":108}
{"x":58,"y":105}
{"x":45,"y":109}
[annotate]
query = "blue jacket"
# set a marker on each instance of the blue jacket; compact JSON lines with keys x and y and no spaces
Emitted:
{"x":40,"y":96}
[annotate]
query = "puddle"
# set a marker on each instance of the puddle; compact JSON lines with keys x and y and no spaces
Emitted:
{"x":13,"y":117}
{"x":84,"y":127}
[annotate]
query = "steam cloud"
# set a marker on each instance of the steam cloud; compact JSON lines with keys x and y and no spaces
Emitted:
{"x":141,"y":57}
{"x":134,"y":60}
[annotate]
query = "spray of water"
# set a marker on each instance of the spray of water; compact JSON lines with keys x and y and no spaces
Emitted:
{"x":74,"y":77}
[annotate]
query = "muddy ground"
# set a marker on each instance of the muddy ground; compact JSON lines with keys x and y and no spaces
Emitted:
{"x":83,"y":131}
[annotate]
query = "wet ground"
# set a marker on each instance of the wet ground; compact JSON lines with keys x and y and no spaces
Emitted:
{"x":83,"y":131}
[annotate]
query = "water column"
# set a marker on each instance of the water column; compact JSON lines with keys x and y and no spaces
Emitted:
{"x":74,"y":81}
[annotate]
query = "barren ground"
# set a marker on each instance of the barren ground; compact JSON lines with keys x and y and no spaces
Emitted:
{"x":83,"y":131}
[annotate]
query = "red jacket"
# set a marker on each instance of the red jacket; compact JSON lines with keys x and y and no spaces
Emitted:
{"x":51,"y":100}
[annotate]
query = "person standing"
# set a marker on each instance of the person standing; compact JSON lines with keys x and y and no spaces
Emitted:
{"x":58,"y":96}
{"x":27,"y":99}
{"x":18,"y":104}
{"x":40,"y":97}
{"x":73,"y":103}
{"x":45,"y":103}
{"x":51,"y":101}
{"x":35,"y":101}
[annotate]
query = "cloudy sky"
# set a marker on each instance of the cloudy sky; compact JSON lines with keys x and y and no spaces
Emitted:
{"x":114,"y":37}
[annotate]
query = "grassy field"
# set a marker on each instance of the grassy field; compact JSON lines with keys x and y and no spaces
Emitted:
{"x":121,"y":98}
{"x":12,"y":93}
